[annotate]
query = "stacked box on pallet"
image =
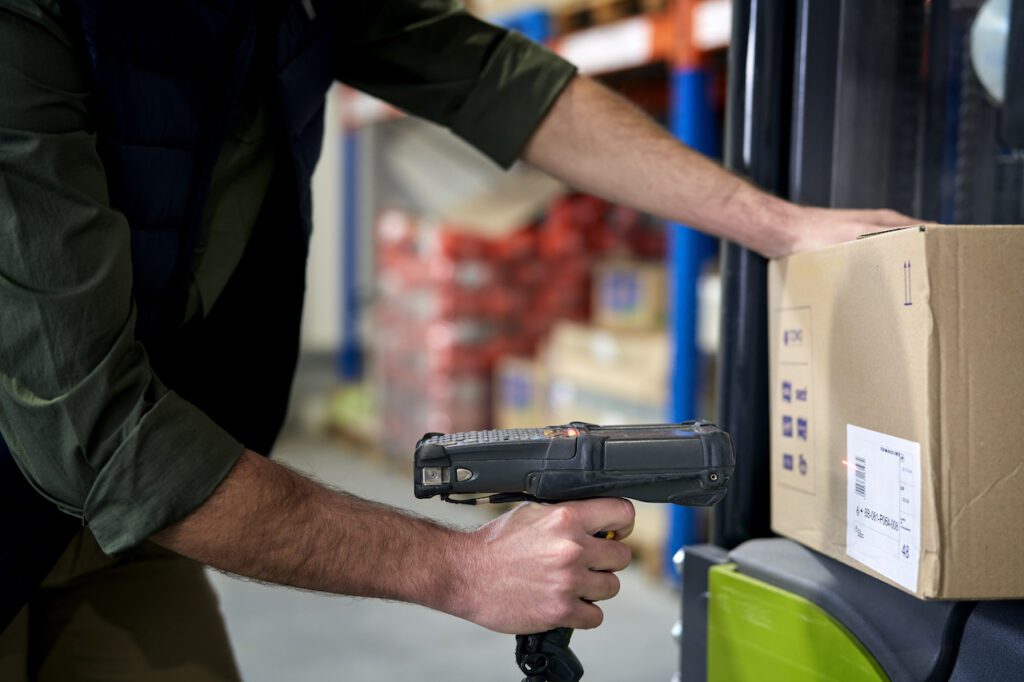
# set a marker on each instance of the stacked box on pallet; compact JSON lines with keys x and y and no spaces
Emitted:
{"x":612,"y":371}
{"x":436,"y":324}
{"x":451,"y":303}
{"x":523,"y":388}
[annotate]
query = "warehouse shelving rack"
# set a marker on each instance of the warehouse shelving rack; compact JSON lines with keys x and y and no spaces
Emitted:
{"x":680,"y":37}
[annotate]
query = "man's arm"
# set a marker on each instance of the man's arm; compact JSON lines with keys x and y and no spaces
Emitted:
{"x":602,"y":144}
{"x":528,"y":571}
{"x":92,"y":427}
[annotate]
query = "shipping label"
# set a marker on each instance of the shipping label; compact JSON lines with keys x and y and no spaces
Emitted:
{"x":883,"y":503}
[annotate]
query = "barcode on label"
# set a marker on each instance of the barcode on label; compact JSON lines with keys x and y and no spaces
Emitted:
{"x":860,"y":481}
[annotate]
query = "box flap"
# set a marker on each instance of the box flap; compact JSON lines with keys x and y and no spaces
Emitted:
{"x":920,"y":228}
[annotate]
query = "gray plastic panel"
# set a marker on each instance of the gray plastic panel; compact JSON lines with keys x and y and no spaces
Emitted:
{"x":693,"y":647}
{"x":992,"y":647}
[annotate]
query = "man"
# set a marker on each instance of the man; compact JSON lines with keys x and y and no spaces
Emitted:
{"x":154,"y":209}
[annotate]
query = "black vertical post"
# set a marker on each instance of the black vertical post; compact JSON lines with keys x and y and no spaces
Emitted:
{"x":815,"y":62}
{"x":934,"y":181}
{"x":1012,"y":123}
{"x":757,"y":146}
{"x":874,"y":149}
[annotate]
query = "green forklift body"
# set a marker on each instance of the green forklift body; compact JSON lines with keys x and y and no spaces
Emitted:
{"x":758,"y":632}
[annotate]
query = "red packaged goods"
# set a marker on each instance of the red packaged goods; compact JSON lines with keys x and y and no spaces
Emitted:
{"x":446,"y":302}
{"x":528,"y":274}
{"x":559,"y":236}
{"x":622,"y":219}
{"x":448,"y":241}
{"x":586,"y":211}
{"x":648,"y":240}
{"x":519,"y":245}
{"x":451,"y":303}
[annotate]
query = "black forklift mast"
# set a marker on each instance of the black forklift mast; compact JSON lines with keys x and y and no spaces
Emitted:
{"x":756,"y":140}
{"x":854,"y":104}
{"x":801,"y":71}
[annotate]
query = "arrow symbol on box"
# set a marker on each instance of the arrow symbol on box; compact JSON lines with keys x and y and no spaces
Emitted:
{"x":906,"y":284}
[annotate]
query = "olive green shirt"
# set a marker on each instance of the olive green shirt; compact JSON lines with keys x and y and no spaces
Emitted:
{"x":89,"y":423}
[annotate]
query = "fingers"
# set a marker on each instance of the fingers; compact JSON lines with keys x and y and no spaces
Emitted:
{"x":584,"y":616}
{"x":545,"y":566}
{"x":891,"y":218}
{"x":599,"y":585}
{"x":604,"y":514}
{"x":882,"y":217}
{"x":607,"y":555}
{"x":576,"y":610}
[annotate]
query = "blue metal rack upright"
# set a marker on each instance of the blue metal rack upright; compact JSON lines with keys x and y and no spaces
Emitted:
{"x":350,"y":355}
{"x":534,"y":23}
{"x":692,"y":120}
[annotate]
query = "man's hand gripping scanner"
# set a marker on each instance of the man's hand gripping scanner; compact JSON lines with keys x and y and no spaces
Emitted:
{"x":687,"y":464}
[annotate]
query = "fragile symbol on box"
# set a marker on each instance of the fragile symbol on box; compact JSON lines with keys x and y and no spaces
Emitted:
{"x":801,"y":428}
{"x":907,"y":289}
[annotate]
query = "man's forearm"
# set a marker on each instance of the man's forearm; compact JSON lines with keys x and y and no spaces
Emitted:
{"x":602,"y":144}
{"x":529,"y":570}
{"x":632,"y":160}
{"x":268,"y":522}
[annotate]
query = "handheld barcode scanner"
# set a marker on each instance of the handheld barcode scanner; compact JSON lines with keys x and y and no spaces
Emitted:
{"x":687,"y":463}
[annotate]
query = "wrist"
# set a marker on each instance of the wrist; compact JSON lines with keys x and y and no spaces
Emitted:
{"x":457,"y":571}
{"x":778,"y":226}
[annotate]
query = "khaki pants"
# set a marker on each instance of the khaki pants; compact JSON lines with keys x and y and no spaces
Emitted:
{"x":153,"y":616}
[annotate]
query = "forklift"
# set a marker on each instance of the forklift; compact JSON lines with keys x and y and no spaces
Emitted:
{"x":914,"y":105}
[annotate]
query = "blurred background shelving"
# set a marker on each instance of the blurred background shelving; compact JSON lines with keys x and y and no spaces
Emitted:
{"x":454,"y":296}
{"x":445,"y":294}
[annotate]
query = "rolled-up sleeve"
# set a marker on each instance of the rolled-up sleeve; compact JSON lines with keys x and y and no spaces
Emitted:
{"x":490,"y":86}
{"x":89,"y":423}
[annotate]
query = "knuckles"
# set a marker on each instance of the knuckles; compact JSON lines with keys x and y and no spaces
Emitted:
{"x":566,"y":553}
{"x":561,"y":614}
{"x":563,"y":518}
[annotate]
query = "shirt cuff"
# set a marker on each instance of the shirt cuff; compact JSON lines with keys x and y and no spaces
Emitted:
{"x":513,"y":94}
{"x":166,"y":467}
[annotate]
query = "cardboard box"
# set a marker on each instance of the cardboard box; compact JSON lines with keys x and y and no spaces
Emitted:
{"x":520,"y":393}
{"x":629,"y":295}
{"x":897,"y":407}
{"x":607,"y":377}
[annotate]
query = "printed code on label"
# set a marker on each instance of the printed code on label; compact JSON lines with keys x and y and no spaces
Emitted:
{"x":860,"y":484}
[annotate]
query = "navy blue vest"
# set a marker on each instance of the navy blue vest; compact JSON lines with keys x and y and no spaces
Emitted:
{"x":165,"y":77}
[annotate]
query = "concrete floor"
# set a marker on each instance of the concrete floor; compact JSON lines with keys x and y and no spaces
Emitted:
{"x":284,"y":634}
